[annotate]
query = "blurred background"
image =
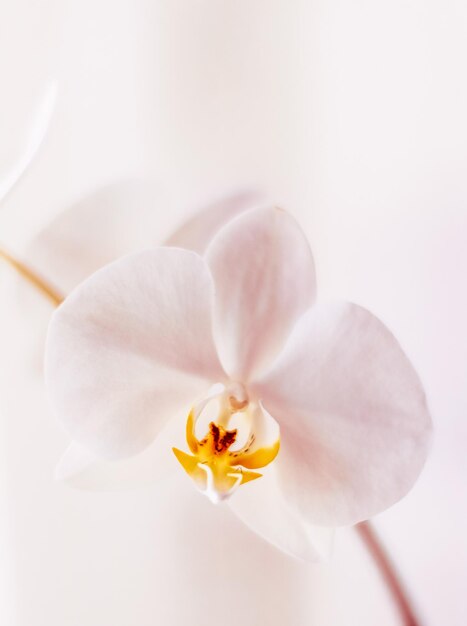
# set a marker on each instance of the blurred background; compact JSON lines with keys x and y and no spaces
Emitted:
{"x":349,"y":115}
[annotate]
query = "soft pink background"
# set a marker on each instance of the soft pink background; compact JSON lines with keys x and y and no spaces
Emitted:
{"x":352,"y":116}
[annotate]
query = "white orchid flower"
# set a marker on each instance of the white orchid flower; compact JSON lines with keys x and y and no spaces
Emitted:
{"x":219,"y":334}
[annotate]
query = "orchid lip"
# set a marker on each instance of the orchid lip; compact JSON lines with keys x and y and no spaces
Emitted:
{"x":215,"y":467}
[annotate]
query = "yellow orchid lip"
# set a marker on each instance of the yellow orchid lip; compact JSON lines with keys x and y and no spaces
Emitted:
{"x":216,"y":469}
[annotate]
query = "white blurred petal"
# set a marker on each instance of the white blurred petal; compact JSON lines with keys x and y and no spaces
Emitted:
{"x":82,"y":469}
{"x":196,"y":233}
{"x":38,"y":130}
{"x":98,"y":228}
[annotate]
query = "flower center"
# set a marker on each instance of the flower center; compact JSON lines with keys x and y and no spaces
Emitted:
{"x":216,"y":468}
{"x":218,"y":440}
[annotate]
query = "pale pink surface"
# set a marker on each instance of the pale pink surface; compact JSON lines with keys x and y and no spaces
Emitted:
{"x":376,"y":171}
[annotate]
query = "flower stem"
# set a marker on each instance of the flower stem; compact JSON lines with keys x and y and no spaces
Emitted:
{"x":33,"y":278}
{"x":388,"y":573}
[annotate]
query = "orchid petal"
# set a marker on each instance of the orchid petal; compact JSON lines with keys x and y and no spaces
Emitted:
{"x":97,"y":229}
{"x":262,"y":507}
{"x":353,"y":417}
{"x":39,"y":127}
{"x":129,"y":348}
{"x":196,"y":233}
{"x":265,"y":280}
